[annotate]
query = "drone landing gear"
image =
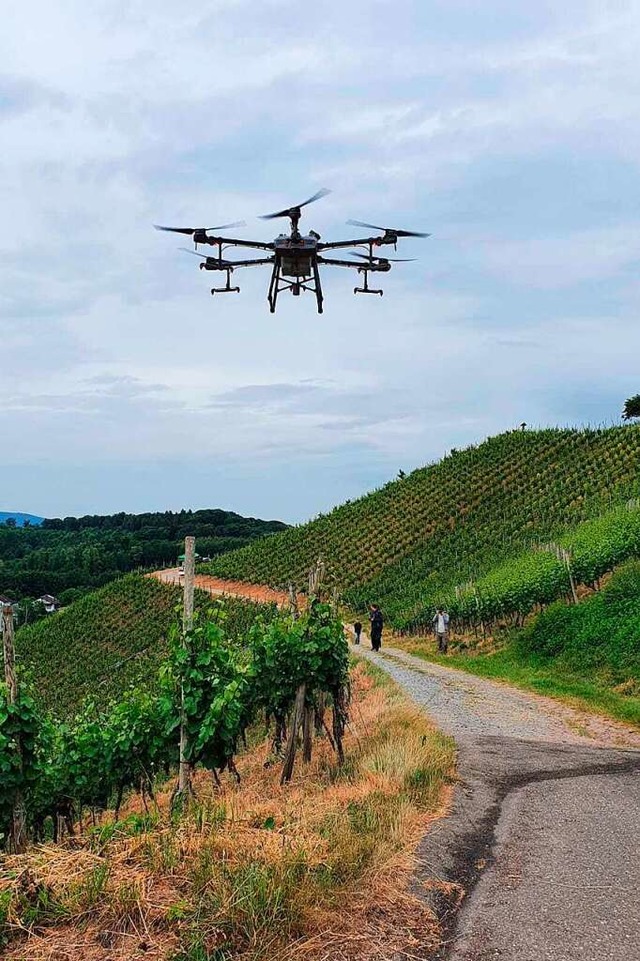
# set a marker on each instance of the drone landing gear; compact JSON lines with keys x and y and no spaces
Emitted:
{"x":366,"y":289}
{"x":228,"y":289}
{"x":297,"y":286}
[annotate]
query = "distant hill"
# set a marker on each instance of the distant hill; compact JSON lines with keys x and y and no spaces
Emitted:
{"x":20,"y":518}
{"x":62,"y":556}
{"x":421,"y":539}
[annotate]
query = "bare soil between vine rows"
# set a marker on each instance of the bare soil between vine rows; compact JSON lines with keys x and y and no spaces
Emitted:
{"x":218,"y":587}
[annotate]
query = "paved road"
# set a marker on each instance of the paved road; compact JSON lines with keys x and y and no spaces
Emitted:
{"x":542,"y":846}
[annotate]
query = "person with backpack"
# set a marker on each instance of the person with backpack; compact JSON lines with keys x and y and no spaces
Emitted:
{"x":376,"y":619}
{"x":441,"y":627}
{"x":357,"y":630}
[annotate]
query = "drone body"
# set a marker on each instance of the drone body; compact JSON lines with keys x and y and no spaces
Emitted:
{"x":295,"y":258}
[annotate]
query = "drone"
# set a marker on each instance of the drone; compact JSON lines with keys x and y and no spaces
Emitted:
{"x":296,"y":258}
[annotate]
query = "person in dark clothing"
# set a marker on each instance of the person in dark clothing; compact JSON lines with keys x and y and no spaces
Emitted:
{"x":375,"y":616}
{"x":357,"y":630}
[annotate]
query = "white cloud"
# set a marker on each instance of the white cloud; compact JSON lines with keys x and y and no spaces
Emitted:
{"x":557,"y":262}
{"x":116,"y":116}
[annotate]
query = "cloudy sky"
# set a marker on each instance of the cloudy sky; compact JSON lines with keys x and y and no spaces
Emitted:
{"x":510,"y":130}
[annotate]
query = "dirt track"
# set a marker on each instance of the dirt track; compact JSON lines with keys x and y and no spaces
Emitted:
{"x":218,"y":587}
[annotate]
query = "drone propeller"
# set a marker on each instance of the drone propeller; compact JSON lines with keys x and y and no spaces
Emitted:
{"x":387,"y":230}
{"x":389,"y":260}
{"x":190,"y":231}
{"x":292,"y":211}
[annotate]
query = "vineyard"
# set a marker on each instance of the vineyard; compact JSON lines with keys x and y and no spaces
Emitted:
{"x":109,"y":640}
{"x":534,"y":579}
{"x":467,"y":530}
{"x":249,"y":871}
{"x":213,"y":684}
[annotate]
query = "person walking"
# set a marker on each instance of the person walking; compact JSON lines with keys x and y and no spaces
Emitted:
{"x":357,"y":630}
{"x":376,"y":619}
{"x":441,"y":627}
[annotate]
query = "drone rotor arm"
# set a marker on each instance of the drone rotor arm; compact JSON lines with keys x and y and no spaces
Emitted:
{"x":332,"y":262}
{"x":249,"y":263}
{"x":235,"y":242}
{"x":360,"y":242}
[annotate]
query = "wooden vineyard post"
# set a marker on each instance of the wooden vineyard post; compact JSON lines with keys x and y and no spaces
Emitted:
{"x":8,"y":651}
{"x":189,"y":577}
{"x":307,"y":732}
{"x":184,"y":778}
{"x":19,"y":819}
{"x":293,"y":601}
{"x":292,"y":744}
{"x":566,"y":557}
{"x":316,"y":576}
{"x":303,"y":713}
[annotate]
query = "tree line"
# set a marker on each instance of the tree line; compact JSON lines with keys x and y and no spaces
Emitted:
{"x":69,"y":556}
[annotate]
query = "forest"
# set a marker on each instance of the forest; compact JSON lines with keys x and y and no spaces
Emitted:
{"x":69,"y":556}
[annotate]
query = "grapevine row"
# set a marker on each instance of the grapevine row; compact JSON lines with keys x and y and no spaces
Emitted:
{"x":217,"y":685}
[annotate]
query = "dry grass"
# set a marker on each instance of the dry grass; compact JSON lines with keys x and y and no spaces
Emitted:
{"x":317,"y":869}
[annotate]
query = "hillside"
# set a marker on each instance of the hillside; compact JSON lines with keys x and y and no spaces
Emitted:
{"x":79,"y":554}
{"x":110,"y":639}
{"x":411,"y":543}
{"x":20,"y":518}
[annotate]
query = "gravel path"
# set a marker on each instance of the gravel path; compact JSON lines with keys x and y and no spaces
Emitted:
{"x":542,"y":846}
{"x":466,"y":706}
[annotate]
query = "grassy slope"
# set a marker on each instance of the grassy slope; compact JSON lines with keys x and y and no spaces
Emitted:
{"x":588,"y":654}
{"x":107,"y":640}
{"x":317,"y":869}
{"x":410,"y":542}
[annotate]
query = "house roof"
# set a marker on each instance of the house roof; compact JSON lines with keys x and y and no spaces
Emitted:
{"x":49,"y":599}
